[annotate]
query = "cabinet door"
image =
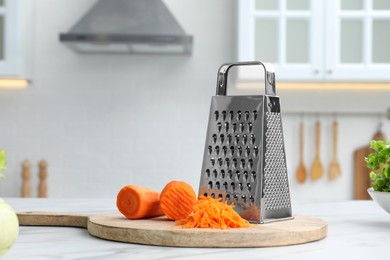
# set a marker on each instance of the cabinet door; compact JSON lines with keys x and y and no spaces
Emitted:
{"x":358,"y":40}
{"x":9,"y":63}
{"x":286,"y":33}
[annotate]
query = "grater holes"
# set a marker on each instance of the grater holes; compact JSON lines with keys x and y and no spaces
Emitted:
{"x":231,"y":115}
{"x":236,"y":139}
{"x":232,"y":153}
{"x":253,"y":176}
{"x":247,"y":151}
{"x":240,"y":186}
{"x":209,"y":150}
{"x":242,"y":164}
{"x":226,"y":126}
{"x":239,"y":115}
{"x":243,"y":200}
{"x":234,"y":127}
{"x":250,"y":127}
{"x":216,"y":149}
{"x":246,"y":115}
{"x":254,"y":115}
{"x":224,"y":150}
{"x":227,"y":162}
{"x":237,"y":175}
{"x":245,"y":176}
{"x":215,"y":174}
{"x":239,"y":151}
{"x":241,"y":127}
{"x":244,"y":139}
{"x":223,"y":174}
{"x":231,"y":150}
{"x":220,"y":161}
{"x":214,"y":138}
{"x":251,"y":199}
{"x":212,"y":161}
{"x":223,"y":115}
{"x":250,"y":163}
{"x":252,"y":139}
{"x":205,"y":194}
{"x":212,"y":195}
{"x":225,"y":185}
{"x":230,"y":174}
{"x":220,"y":197}
{"x":229,"y":139}
{"x":219,"y":127}
{"x":234,"y":165}
{"x":276,"y":193}
{"x":235,"y":198}
{"x":221,"y":138}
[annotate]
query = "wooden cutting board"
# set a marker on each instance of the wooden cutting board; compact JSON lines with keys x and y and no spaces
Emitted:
{"x":163,"y":232}
{"x":362,"y":179}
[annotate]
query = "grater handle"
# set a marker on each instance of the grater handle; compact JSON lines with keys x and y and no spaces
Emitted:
{"x":223,"y":76}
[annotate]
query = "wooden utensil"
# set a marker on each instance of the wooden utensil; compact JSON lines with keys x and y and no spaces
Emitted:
{"x":26,"y":183}
{"x":163,"y":232}
{"x":42,"y":186}
{"x":317,"y":168}
{"x":301,"y":171}
{"x":334,"y":167}
{"x":362,"y":179}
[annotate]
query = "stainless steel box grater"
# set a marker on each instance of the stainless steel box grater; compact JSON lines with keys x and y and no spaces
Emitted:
{"x":244,"y":160}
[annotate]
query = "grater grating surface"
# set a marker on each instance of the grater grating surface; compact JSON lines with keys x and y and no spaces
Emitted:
{"x":232,"y":151}
{"x":276,"y":191}
{"x":244,"y":159}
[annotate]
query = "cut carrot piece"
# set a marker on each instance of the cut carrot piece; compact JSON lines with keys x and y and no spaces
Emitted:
{"x":213,"y":213}
{"x":136,"y":202}
{"x":177,"y":199}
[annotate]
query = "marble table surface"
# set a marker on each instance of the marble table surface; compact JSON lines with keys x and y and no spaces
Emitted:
{"x":356,"y":230}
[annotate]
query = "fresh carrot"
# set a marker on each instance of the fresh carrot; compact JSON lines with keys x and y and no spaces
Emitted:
{"x":177,"y":200}
{"x":136,"y":202}
{"x":213,"y":213}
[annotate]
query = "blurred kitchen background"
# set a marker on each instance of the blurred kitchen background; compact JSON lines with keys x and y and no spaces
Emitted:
{"x":104,"y":120}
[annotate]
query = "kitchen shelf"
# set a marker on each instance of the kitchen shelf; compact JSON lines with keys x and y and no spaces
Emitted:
{"x":385,"y":114}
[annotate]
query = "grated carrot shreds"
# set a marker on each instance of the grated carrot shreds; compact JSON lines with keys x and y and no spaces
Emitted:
{"x":213,"y":213}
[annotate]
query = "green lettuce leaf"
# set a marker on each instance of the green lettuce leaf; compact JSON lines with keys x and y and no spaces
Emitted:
{"x":379,"y":160}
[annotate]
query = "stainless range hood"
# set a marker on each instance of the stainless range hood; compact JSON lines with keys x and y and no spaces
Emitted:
{"x":128,"y":26}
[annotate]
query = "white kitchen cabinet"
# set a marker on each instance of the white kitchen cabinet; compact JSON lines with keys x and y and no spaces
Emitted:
{"x":9,"y":44}
{"x":318,"y":40}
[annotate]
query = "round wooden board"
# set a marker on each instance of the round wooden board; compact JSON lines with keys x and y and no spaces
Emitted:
{"x":163,"y":232}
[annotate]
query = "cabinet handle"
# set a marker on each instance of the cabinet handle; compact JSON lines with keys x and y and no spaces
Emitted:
{"x":329,"y":71}
{"x":316,"y":71}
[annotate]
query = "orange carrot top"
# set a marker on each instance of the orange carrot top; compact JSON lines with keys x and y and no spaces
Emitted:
{"x":213,"y":213}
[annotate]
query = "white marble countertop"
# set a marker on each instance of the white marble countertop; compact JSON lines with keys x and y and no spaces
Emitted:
{"x":356,"y":230}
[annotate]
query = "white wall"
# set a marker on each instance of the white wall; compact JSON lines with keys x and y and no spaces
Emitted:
{"x":103,"y":121}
